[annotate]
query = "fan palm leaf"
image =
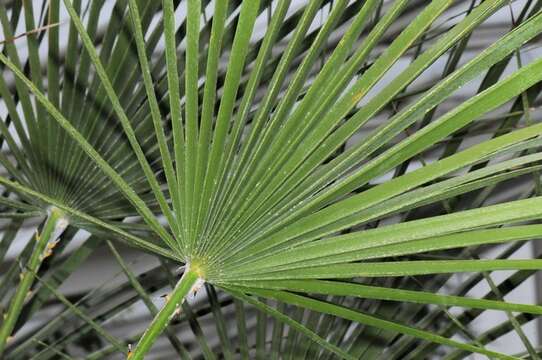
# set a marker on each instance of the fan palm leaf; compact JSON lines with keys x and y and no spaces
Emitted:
{"x":264,"y":177}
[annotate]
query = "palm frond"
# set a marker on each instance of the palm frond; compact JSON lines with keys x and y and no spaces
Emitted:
{"x":301,"y":156}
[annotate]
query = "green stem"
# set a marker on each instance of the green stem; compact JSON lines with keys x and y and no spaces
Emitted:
{"x":188,"y":281}
{"x":53,"y":228}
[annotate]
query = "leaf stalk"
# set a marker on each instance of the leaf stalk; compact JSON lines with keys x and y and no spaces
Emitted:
{"x":189,"y":283}
{"x":54,"y":226}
